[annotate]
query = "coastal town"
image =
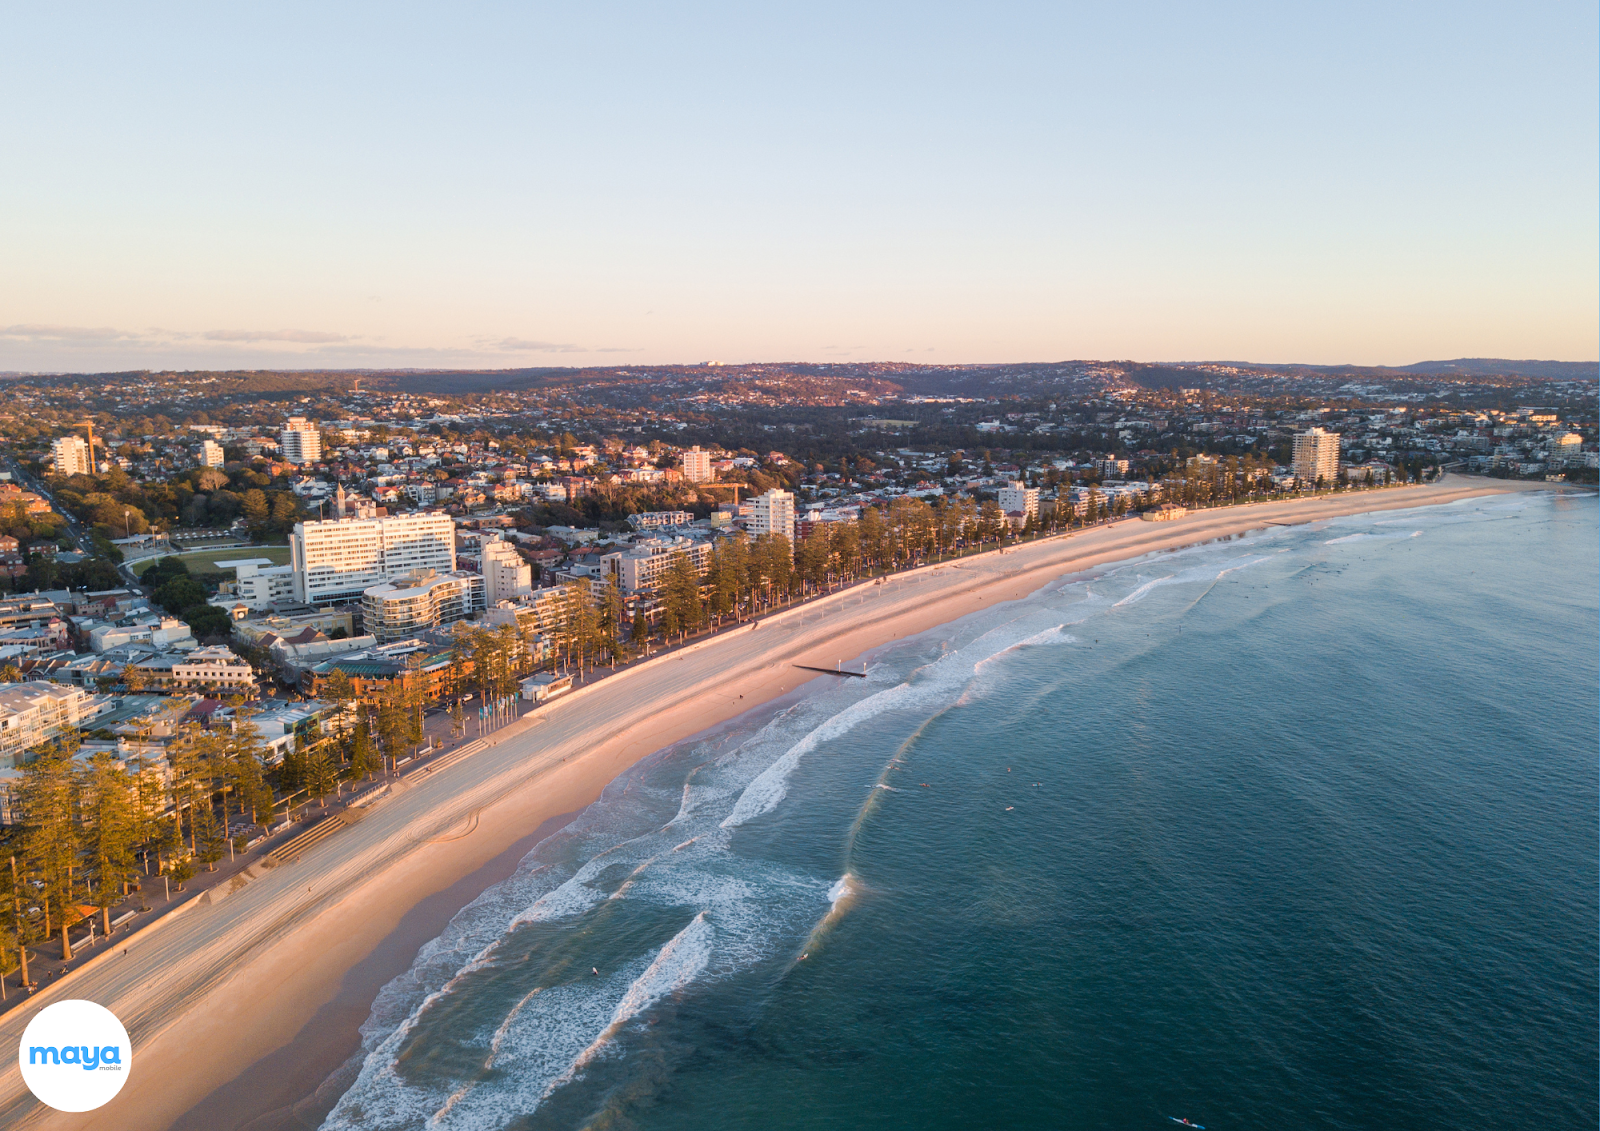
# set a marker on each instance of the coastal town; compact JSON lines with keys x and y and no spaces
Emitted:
{"x":236,"y":607}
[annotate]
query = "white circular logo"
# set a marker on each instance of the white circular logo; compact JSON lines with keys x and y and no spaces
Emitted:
{"x":75,"y":1055}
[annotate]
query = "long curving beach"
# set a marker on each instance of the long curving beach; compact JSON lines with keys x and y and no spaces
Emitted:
{"x":228,"y":1003}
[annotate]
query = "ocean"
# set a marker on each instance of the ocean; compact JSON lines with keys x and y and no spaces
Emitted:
{"x":1293,"y":829}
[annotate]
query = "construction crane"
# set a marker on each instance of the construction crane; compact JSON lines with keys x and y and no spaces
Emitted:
{"x":94,"y":468}
{"x":737,"y":487}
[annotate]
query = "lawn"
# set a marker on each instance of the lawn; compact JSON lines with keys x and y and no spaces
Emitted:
{"x":204,"y":562}
{"x":201,"y":561}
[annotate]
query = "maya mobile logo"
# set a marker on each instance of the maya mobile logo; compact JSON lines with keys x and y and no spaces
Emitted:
{"x":75,"y":1055}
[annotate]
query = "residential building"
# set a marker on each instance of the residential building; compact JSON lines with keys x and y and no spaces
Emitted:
{"x":340,"y":559}
{"x":1111,"y":467}
{"x":773,"y":514}
{"x":71,"y":454}
{"x":157,"y":632}
{"x":1017,"y":497}
{"x":293,"y":654}
{"x":408,"y":605}
{"x":301,"y":441}
{"x":647,"y":519}
{"x":1566,"y":450}
{"x":642,"y":566}
{"x":505,"y":575}
{"x":433,"y":667}
{"x":258,"y":584}
{"x":212,"y":669}
{"x":32,"y":714}
{"x":327,"y":621}
{"x":1316,"y":456}
{"x":211,"y":454}
{"x":697,"y":466}
{"x":539,"y":613}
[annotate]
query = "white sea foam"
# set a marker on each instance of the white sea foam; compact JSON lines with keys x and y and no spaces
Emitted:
{"x":1051,"y":635}
{"x":938,"y":679}
{"x":843,"y":888}
{"x":1139,"y":593}
{"x":764,"y":793}
{"x":1210,"y":571}
{"x":1364,"y":535}
{"x":675,"y":965}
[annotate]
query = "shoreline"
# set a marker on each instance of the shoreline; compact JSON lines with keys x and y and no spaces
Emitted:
{"x":248,"y":977}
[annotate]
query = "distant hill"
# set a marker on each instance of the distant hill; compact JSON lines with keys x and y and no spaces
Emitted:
{"x":1495,"y":366}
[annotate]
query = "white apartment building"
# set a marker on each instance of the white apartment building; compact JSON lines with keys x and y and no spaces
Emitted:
{"x":423,"y":600}
{"x":1016,"y":496}
{"x":645,"y":564}
{"x":301,"y":441}
{"x":505,"y":575}
{"x":258,"y":583}
{"x":213,"y":669}
{"x":162,"y":632}
{"x":211,"y":454}
{"x":1566,"y":450}
{"x":774,"y":514}
{"x":32,"y":714}
{"x":1111,"y":467}
{"x":697,"y":466}
{"x":1316,"y":456}
{"x":647,"y":519}
{"x":72,"y":456}
{"x":340,"y":559}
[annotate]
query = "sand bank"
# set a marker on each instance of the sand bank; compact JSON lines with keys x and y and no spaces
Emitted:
{"x":231,"y":1006}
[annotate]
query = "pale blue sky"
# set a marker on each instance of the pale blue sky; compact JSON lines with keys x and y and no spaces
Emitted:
{"x":496,"y":184}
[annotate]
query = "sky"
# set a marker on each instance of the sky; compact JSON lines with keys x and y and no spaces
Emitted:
{"x":531,"y":184}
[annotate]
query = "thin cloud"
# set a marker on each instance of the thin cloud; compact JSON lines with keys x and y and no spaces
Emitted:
{"x":34,"y":332}
{"x":303,"y":337}
{"x":523,"y":345}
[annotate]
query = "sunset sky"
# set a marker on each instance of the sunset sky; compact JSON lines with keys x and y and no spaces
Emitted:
{"x":536,"y":184}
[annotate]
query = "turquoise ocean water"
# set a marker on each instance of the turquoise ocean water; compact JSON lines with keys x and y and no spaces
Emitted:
{"x":1297,"y":829}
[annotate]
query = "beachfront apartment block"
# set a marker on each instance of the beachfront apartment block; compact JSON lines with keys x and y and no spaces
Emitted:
{"x":1565,"y":450}
{"x":301,"y":441}
{"x":773,"y":514}
{"x":71,"y":455}
{"x":32,"y":714}
{"x":505,"y":575}
{"x":1316,"y":456}
{"x":697,"y":466}
{"x":422,"y":600}
{"x":337,"y":560}
{"x":644,"y":565}
{"x":1018,"y":498}
{"x":211,"y":454}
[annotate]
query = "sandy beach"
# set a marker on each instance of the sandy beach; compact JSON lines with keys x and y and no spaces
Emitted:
{"x":237,"y":1010}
